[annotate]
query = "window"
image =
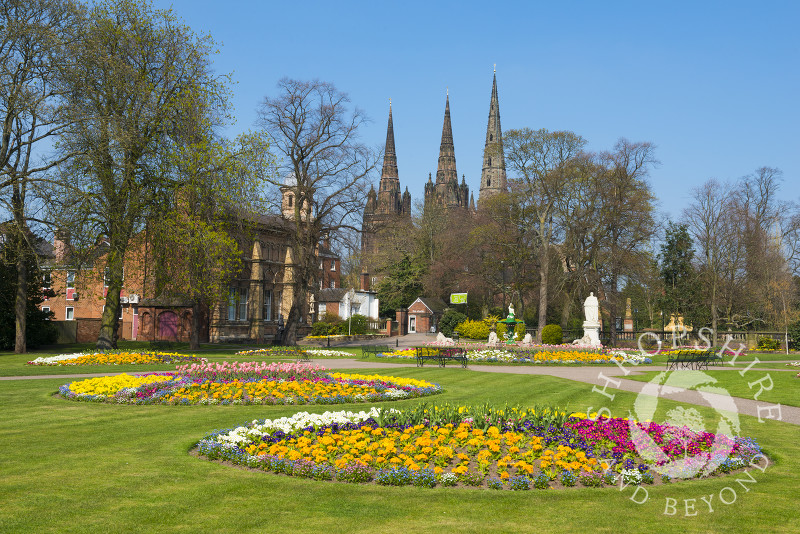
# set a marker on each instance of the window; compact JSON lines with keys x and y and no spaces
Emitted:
{"x":333,"y":265}
{"x":488,"y":182}
{"x":333,"y":284}
{"x":320,"y":265}
{"x":70,"y":314}
{"x":46,"y":280}
{"x":491,"y":137}
{"x":490,"y":162}
{"x":243,"y":304}
{"x":267,"y":304}
{"x":46,"y":309}
{"x":70,"y":279}
{"x":233,"y":296}
{"x":320,"y":283}
{"x":322,"y":308}
{"x":291,"y":201}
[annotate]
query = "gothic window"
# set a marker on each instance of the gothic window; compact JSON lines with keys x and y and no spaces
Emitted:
{"x":490,"y":161}
{"x":488,"y":182}
{"x":267,"y":304}
{"x":491,"y":137}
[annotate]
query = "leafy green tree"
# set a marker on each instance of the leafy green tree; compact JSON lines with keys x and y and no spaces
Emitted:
{"x":681,"y":284}
{"x":133,"y":70}
{"x":401,"y":286}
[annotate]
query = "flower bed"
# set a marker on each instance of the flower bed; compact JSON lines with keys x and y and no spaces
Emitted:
{"x":540,"y":356}
{"x":475,"y":446}
{"x":273,"y":352}
{"x":115,"y":358}
{"x":247,"y":383}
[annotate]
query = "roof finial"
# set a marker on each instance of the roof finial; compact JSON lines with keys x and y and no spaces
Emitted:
{"x":390,"y":102}
{"x":495,"y":67}
{"x":448,"y":91}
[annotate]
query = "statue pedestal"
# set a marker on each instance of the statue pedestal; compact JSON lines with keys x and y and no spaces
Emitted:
{"x":591,"y":333}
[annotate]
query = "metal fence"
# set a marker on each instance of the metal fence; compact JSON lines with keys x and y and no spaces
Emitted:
{"x":667,"y":337}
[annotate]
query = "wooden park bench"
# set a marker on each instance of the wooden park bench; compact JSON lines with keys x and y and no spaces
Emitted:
{"x":693,"y":360}
{"x":441,"y":355}
{"x":374,"y":350}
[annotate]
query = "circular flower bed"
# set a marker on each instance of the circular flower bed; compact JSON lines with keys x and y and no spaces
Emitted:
{"x":540,"y":356}
{"x":471,"y":446}
{"x":120,"y":357}
{"x":246,"y":383}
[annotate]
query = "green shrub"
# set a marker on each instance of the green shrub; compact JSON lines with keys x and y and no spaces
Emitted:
{"x":320,"y":329}
{"x":473,"y":329}
{"x":794,"y":336}
{"x":450,"y":320}
{"x":767,"y":343}
{"x":358,"y":325}
{"x":501,"y":330}
{"x":552,"y":335}
{"x":520,"y":330}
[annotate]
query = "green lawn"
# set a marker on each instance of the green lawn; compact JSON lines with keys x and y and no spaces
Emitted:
{"x":785,"y":384}
{"x":80,"y":467}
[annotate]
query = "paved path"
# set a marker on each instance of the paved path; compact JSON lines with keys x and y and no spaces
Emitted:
{"x":610,"y":377}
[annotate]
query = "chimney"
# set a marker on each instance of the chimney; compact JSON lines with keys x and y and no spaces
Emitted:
{"x":60,"y":243}
{"x":326,"y":243}
{"x":364,"y":280}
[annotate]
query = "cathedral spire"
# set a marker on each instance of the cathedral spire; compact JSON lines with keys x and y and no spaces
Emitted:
{"x":389,"y":173}
{"x":493,"y":175}
{"x":446,"y":172}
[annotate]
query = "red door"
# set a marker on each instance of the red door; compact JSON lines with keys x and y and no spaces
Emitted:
{"x":168,"y":326}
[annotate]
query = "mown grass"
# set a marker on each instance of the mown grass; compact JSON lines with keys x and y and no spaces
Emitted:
{"x":785,"y":385}
{"x":75,"y":467}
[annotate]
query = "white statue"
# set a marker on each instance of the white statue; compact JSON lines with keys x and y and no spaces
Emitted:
{"x":591,"y":327}
{"x":511,"y":310}
{"x":527,"y":340}
{"x":493,"y":340}
{"x":590,"y":308}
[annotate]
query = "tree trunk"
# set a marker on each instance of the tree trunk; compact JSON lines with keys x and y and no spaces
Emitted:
{"x":21,"y":303}
{"x":194,"y":334}
{"x":109,"y":322}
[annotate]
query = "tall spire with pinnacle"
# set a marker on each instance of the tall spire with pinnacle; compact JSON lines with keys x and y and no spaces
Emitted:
{"x":446,"y":172}
{"x":493,"y":175}
{"x":389,"y":173}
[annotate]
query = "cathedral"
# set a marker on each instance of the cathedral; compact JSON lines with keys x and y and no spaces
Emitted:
{"x":390,"y":208}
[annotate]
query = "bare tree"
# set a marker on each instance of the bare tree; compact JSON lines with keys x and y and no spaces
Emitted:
{"x":325,"y":170}
{"x":32,"y":37}
{"x":541,"y":162}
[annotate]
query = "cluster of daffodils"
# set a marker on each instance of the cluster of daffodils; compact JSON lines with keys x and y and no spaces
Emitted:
{"x":255,"y":383}
{"x":115,"y":358}
{"x":355,"y":447}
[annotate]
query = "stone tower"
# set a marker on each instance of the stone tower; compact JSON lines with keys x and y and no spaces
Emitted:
{"x":493,"y":175}
{"x":388,"y":206}
{"x":446,"y":191}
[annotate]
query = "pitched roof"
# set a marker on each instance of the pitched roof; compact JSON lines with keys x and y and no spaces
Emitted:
{"x":331,"y":294}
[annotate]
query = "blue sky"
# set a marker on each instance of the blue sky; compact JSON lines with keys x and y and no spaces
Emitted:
{"x":714,"y":85}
